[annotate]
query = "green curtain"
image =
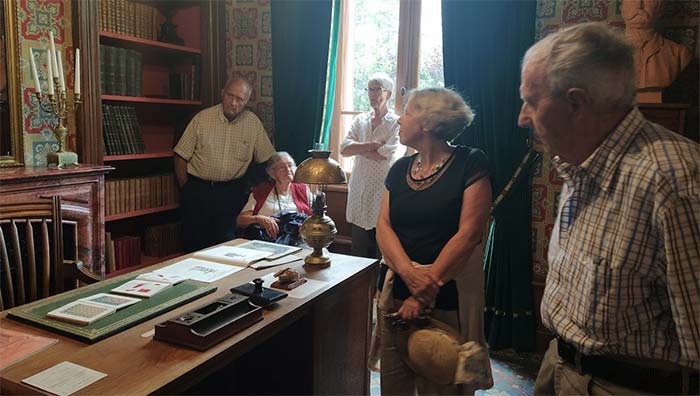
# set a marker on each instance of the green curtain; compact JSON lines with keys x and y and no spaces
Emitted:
{"x":300,"y":34}
{"x":483,"y":44}
{"x":330,"y":83}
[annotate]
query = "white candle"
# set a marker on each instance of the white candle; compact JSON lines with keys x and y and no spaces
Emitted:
{"x":34,"y":74}
{"x":52,"y":54}
{"x":49,"y":66}
{"x":77,"y":70}
{"x":61,"y":81}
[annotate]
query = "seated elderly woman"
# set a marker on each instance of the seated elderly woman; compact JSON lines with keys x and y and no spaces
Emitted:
{"x":268,"y":200}
{"x":431,"y":221}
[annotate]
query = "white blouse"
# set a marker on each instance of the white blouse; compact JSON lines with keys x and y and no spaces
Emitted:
{"x":275,"y":203}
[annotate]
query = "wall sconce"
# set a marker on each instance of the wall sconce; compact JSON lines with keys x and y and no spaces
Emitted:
{"x":318,"y":231}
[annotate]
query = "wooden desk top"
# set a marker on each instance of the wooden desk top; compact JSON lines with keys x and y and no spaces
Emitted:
{"x":140,"y":365}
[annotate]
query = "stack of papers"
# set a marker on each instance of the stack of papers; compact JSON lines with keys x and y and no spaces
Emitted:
{"x":89,"y":309}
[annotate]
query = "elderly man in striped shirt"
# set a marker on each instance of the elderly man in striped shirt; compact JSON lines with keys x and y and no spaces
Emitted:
{"x":623,"y":290}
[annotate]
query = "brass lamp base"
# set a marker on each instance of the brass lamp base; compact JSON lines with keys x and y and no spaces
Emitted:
{"x":318,"y":259}
{"x":61,"y":159}
{"x":318,"y":231}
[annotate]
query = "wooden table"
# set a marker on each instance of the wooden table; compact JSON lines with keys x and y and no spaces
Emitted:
{"x":316,"y":345}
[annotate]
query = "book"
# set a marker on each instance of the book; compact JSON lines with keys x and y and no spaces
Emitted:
{"x":233,"y":255}
{"x":17,"y":346}
{"x":148,"y":284}
{"x":276,"y":250}
{"x":111,"y":300}
{"x":199,"y":270}
{"x":81,"y":313}
{"x":141,"y":288}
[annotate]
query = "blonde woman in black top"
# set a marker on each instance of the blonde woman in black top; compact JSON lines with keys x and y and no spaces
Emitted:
{"x":433,"y":216}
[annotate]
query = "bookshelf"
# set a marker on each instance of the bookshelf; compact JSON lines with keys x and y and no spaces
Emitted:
{"x":144,"y":92}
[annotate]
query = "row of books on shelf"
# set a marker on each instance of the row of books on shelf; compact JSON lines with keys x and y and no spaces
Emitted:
{"x":120,"y":71}
{"x":162,"y":240}
{"x":158,"y":241}
{"x":122,"y":252}
{"x":130,"y":18}
{"x":121,"y":131}
{"x":185,"y":84}
{"x":138,"y":193}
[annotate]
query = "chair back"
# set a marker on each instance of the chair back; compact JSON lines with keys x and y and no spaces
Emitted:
{"x":31,"y":251}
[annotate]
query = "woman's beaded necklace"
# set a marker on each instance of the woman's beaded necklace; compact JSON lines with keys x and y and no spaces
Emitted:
{"x":417,"y":174}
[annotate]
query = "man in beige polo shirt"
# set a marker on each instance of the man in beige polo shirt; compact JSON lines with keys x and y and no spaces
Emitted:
{"x":211,"y":158}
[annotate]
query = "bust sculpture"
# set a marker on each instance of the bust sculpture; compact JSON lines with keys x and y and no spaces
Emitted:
{"x":657,"y":60}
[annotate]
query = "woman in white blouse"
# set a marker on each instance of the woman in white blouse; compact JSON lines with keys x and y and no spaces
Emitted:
{"x":278,"y":195}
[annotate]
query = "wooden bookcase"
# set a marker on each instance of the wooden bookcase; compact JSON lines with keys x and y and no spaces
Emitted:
{"x":141,"y":191}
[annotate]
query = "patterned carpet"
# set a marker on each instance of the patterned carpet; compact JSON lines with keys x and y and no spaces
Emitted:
{"x":513,"y":374}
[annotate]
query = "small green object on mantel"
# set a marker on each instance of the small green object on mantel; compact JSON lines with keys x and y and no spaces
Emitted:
{"x":62,"y":159}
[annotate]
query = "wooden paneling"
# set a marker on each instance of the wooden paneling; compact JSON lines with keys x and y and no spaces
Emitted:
{"x":89,"y":115}
{"x":336,"y":200}
{"x":82,"y":193}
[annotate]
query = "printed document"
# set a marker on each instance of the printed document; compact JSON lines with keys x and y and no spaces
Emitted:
{"x":64,"y":378}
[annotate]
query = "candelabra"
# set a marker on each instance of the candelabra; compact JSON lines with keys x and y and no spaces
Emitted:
{"x":58,"y":105}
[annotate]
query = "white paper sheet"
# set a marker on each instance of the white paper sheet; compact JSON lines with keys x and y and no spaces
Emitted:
{"x":199,"y":270}
{"x":302,"y":291}
{"x":64,"y":378}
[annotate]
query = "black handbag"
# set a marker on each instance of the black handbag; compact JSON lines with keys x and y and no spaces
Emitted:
{"x":289,"y":224}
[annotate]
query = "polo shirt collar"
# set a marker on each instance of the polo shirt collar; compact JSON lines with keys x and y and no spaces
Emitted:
{"x":223,"y":118}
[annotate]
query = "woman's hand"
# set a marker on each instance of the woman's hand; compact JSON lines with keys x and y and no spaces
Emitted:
{"x":422,"y":284}
{"x":410,"y":309}
{"x":269,"y":224}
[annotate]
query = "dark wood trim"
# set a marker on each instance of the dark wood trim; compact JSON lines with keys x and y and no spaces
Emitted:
{"x":89,"y":115}
{"x":213,"y":28}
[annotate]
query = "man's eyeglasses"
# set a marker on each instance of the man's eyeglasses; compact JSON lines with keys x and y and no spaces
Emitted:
{"x":375,"y":90}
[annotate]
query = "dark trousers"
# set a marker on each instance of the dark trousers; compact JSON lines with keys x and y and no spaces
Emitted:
{"x":209,"y":211}
{"x":364,"y":243}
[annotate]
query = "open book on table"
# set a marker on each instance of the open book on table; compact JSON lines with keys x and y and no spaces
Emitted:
{"x":148,"y":284}
{"x":276,"y":250}
{"x":235,"y":255}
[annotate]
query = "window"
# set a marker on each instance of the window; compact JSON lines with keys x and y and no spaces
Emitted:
{"x":391,"y":36}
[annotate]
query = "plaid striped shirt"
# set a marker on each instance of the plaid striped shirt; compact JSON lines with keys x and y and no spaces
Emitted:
{"x":218,"y":150}
{"x":624,"y":277}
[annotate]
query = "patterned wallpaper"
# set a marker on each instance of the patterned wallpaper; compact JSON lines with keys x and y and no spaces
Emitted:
{"x":249,"y":45}
{"x":679,"y":23}
{"x":35,"y":19}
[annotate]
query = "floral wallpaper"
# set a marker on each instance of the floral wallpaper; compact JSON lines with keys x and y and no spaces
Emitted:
{"x":679,"y":23}
{"x":249,"y":45}
{"x":35,"y":19}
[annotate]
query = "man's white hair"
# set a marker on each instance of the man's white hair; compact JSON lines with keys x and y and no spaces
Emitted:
{"x":382,"y":79}
{"x":591,"y":56}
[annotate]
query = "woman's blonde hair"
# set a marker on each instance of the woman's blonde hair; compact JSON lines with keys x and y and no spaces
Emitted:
{"x":443,"y":111}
